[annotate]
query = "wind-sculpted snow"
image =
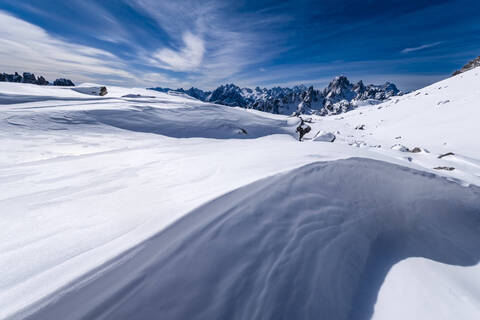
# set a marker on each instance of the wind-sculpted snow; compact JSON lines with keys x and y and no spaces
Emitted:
{"x":16,"y":98}
{"x":314,"y":243}
{"x":197,"y":121}
{"x":204,"y":121}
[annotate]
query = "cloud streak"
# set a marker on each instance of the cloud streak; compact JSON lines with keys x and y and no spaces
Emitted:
{"x":26,"y":47}
{"x":422,"y":47}
{"x":187,"y":58}
{"x":216,"y":44}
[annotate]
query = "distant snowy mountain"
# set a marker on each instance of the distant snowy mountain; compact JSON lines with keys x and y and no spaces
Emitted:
{"x":192,"y":92}
{"x":339,"y":96}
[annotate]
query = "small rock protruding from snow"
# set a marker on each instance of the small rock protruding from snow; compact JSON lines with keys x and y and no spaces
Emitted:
{"x":94,"y":91}
{"x":446,"y":155}
{"x":324,"y":136}
{"x":444,"y":168}
{"x":400,"y":148}
{"x":103,"y":91}
{"x":360,"y":127}
{"x":131,"y":95}
{"x":419,"y":150}
{"x":303,"y":129}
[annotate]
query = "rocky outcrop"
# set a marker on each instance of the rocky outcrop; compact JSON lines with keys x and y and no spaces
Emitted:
{"x":469,"y":66}
{"x":41,"y":81}
{"x":339,"y":96}
{"x":63,"y":82}
{"x":28,"y":77}
{"x":5,"y":77}
{"x":302,"y":129}
{"x":94,"y":91}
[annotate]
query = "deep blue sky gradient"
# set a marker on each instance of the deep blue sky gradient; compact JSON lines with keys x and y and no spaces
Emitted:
{"x":263,"y":42}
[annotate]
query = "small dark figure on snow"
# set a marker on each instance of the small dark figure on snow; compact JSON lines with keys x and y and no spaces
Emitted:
{"x":303,"y":129}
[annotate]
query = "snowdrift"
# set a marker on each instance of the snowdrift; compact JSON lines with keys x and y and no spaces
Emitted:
{"x":316,"y":242}
{"x":134,"y":110}
{"x":202,"y":121}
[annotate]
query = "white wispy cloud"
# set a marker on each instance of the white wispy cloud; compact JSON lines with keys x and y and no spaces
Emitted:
{"x":422,"y":47}
{"x":187,"y":58}
{"x":27,"y":47}
{"x":215,"y":46}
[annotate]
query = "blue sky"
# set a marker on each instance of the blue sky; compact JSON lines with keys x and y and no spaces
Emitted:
{"x":265,"y":43}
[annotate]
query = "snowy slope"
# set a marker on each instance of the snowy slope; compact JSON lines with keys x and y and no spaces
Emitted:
{"x":285,"y":248}
{"x":439,"y":118}
{"x":85,"y":178}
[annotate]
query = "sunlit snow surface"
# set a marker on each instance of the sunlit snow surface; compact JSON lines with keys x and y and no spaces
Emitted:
{"x":86,"y":180}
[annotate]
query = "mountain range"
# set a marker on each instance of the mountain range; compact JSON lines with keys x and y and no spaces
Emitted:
{"x":339,"y":96}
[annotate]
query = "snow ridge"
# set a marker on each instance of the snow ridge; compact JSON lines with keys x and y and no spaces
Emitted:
{"x":298,"y":245}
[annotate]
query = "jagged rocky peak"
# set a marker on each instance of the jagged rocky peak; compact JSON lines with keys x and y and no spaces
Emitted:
{"x":359,"y":87}
{"x":339,"y":82}
{"x":229,"y":94}
{"x":194,"y":93}
{"x":469,"y":66}
{"x":339,"y":89}
{"x":378,"y":92}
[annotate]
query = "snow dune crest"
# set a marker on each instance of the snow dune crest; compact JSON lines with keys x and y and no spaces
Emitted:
{"x":317,"y":241}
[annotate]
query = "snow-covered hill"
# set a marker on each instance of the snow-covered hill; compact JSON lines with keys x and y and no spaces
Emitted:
{"x":142,"y":204}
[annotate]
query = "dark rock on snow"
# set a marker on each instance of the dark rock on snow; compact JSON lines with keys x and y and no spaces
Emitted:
{"x":446,"y":154}
{"x":360,"y":127}
{"x":303,"y":129}
{"x":444,"y":168}
{"x":29,"y":78}
{"x":41,"y":81}
{"x":63,"y":82}
{"x":469,"y":66}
